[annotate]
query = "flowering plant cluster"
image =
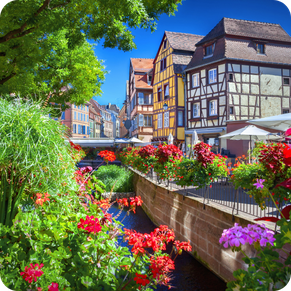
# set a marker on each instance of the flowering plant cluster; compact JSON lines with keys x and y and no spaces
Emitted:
{"x":108,"y":156}
{"x":204,"y":169}
{"x":168,"y":157}
{"x":268,"y":179}
{"x":160,"y":264}
{"x":272,"y":167}
{"x":146,"y":159}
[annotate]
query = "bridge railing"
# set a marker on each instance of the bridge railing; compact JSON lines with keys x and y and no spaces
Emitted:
{"x":221,"y":192}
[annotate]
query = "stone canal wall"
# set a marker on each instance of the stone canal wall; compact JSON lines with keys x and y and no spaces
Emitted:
{"x":190,"y":221}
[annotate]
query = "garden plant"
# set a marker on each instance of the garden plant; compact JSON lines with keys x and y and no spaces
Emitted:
{"x":61,"y":237}
{"x":267,"y":179}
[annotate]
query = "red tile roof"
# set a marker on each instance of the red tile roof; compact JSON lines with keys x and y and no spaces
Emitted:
{"x":141,"y":64}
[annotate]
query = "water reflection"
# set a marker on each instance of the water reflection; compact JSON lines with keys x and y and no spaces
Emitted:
{"x":189,"y":274}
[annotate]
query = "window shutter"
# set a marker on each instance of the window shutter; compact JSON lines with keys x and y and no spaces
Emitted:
{"x":140,"y":119}
{"x":166,"y":90}
{"x":140,"y":98}
{"x":150,"y":99}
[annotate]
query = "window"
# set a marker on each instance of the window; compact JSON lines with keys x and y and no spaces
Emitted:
{"x":149,"y":79}
{"x":74,"y":128}
{"x":140,"y":98}
{"x":180,"y":118}
{"x":140,"y":120}
{"x":212,"y":76}
{"x":147,"y":120}
{"x":196,"y":110}
{"x":230,"y":77}
{"x":212,"y":107}
{"x":231,"y":110}
{"x":159,"y":94}
{"x":208,"y":50}
{"x":284,"y":111}
{"x":165,"y":43}
{"x":87,"y":118}
{"x":78,"y":116}
{"x":286,"y":81}
{"x":75,"y":105}
{"x":148,"y":99}
{"x":79,"y":129}
{"x":83,"y":129}
{"x":160,"y":121}
{"x":63,"y":116}
{"x":166,"y":91}
{"x":166,"y":119}
{"x":75,"y":115}
{"x":163,"y":64}
{"x":195,"y":80}
{"x":88,"y":130}
{"x":260,"y":48}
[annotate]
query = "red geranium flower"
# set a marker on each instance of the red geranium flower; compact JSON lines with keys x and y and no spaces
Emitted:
{"x":93,"y":224}
{"x":53,"y":287}
{"x":141,"y":279}
{"x":287,"y":156}
{"x":31,"y":273}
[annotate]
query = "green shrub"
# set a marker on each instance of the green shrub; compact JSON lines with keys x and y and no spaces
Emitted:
{"x":112,"y":174}
{"x":34,"y":156}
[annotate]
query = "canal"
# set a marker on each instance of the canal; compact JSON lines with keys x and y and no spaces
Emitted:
{"x":189,"y":274}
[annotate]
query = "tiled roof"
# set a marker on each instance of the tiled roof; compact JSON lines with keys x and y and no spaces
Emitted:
{"x":182,"y":41}
{"x":141,"y":65}
{"x":242,"y":49}
{"x":181,"y":60}
{"x":246,"y":28}
{"x":114,"y":108}
{"x":246,"y":50}
{"x":141,"y":81}
{"x":198,"y":57}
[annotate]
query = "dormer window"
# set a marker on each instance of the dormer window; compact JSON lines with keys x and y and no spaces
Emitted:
{"x":260,"y":48}
{"x":149,"y":79}
{"x":208,"y":50}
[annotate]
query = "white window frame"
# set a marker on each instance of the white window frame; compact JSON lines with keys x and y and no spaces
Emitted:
{"x":195,"y":80}
{"x":160,"y":120}
{"x":211,"y":78}
{"x":166,"y":119}
{"x":197,"y":106}
{"x":213,"y":107}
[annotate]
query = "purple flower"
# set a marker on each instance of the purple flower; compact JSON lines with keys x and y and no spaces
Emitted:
{"x":238,"y":236}
{"x":259,"y":183}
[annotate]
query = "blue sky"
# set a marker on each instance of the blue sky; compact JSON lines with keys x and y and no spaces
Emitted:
{"x":193,"y":16}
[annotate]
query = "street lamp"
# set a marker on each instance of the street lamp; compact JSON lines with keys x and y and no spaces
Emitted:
{"x":165,"y":106}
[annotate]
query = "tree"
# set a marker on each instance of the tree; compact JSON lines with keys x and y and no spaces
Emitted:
{"x":43,"y":45}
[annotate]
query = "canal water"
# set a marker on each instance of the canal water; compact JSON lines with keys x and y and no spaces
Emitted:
{"x":189,"y":274}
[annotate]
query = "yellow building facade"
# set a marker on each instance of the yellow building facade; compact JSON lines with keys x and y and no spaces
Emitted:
{"x":174,"y":54}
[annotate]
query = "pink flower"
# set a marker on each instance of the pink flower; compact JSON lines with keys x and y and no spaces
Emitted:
{"x":53,"y":287}
{"x":259,"y":183}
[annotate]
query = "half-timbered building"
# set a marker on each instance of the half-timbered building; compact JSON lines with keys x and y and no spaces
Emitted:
{"x":140,"y":102}
{"x":239,"y":71}
{"x":174,"y":54}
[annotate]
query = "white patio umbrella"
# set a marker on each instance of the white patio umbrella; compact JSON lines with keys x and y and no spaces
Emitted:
{"x":121,"y":140}
{"x":134,"y":140}
{"x":170,"y":139}
{"x":249,"y":132}
{"x":194,"y":141}
{"x":280,"y":122}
